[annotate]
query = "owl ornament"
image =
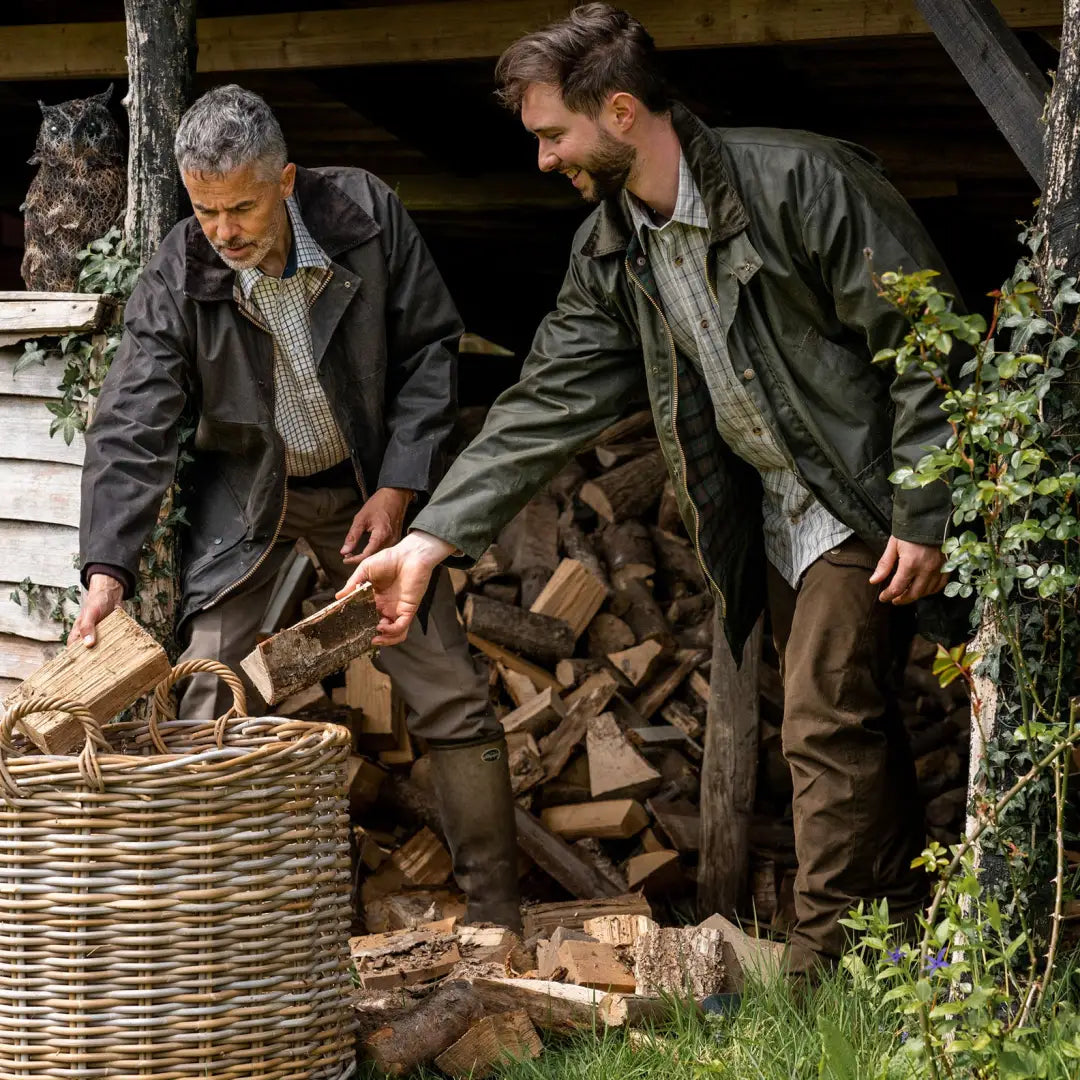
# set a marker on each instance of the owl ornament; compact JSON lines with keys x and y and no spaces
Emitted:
{"x":78,"y":193}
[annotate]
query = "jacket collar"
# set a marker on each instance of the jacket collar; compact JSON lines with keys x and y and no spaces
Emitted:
{"x":727,"y":215}
{"x":336,"y":223}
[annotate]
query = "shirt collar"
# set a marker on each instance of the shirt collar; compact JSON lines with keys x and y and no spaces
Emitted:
{"x":689,"y":205}
{"x":307,"y":251}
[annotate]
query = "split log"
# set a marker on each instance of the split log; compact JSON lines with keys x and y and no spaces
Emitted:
{"x":537,"y":716}
{"x":699,"y":685}
{"x":493,"y":563}
{"x":679,"y":715}
{"x":685,"y":961}
{"x":615,"y":453}
{"x":687,"y":608}
{"x":591,"y":963}
{"x":532,"y":540}
{"x":608,"y":634}
{"x":125,"y":663}
{"x":523,"y":759}
{"x":663,"y":737}
{"x":619,"y":929}
{"x":577,"y":545}
{"x":558,"y":859}
{"x":572,"y":594}
{"x":370,"y":693}
{"x":570,"y":672}
{"x":616,"y":769}
{"x":745,"y":955}
{"x":677,"y":558}
{"x":520,"y":688}
{"x":541,"y":636}
{"x":422,"y":1035}
{"x":313,"y":698}
{"x":364,"y":780}
{"x":542,"y":920}
{"x":658,"y":872}
{"x":586,"y":701}
{"x":627,"y":551}
{"x":627,"y":491}
{"x":423,"y":860}
{"x":627,"y":428}
{"x":637,"y":663}
{"x":316,"y":646}
{"x":650,"y":700}
{"x":294,"y":581}
{"x":494,"y":1040}
{"x":668,"y":517}
{"x":680,"y":821}
{"x":608,"y":819}
{"x":564,"y":485}
{"x":634,"y":603}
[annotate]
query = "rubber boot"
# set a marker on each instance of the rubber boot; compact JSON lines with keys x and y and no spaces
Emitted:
{"x":476,"y":805}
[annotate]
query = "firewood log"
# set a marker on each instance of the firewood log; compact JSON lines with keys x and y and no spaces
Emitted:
{"x":627,"y":491}
{"x":541,"y":636}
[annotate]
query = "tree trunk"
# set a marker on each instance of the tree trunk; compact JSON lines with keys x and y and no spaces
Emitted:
{"x":729,"y":775}
{"x":161,"y":51}
{"x":161,"y":68}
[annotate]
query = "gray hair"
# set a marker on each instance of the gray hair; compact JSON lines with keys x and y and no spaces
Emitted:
{"x":227,"y":128}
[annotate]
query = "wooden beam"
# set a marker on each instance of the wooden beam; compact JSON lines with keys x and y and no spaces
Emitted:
{"x":997,"y":67}
{"x":729,"y":774}
{"x":460,"y":30}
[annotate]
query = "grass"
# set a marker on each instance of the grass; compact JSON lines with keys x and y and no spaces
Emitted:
{"x":773,"y":1036}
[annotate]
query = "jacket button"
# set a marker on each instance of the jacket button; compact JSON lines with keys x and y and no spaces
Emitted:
{"x":641,"y":260}
{"x":348,"y":284}
{"x":748,"y":374}
{"x":217,"y":539}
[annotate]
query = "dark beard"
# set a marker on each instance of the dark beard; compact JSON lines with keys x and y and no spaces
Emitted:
{"x":609,"y":167}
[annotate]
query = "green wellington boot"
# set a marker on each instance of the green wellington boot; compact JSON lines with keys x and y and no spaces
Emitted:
{"x":472,"y":788}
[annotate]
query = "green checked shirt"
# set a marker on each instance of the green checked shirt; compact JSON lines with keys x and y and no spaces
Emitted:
{"x":302,"y":415}
{"x":798,"y":529}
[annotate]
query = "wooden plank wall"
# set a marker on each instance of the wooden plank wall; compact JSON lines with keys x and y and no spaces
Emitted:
{"x":39,"y":479}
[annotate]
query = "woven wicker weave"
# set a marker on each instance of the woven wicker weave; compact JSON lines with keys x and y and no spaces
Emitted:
{"x":179,"y":914}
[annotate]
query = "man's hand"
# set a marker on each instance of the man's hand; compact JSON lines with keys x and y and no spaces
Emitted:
{"x":102,"y":598}
{"x":915,"y":569}
{"x":400,"y":576}
{"x":381,"y":518}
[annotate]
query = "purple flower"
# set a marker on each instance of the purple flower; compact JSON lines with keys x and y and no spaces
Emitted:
{"x":937,"y":962}
{"x":897,"y":954}
{"x":904,"y":1037}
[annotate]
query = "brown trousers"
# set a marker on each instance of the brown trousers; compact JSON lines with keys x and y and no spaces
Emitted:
{"x":858,"y":817}
{"x":446,"y":695}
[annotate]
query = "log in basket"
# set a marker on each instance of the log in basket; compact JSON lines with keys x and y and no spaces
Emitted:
{"x":174,"y":902}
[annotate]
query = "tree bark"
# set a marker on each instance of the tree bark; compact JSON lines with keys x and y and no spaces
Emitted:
{"x":161,"y":50}
{"x":729,"y":775}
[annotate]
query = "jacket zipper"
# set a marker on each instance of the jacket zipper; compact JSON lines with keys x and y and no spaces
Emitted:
{"x":675,"y":432}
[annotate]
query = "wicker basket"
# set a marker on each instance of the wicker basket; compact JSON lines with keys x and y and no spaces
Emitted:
{"x":175,"y":902}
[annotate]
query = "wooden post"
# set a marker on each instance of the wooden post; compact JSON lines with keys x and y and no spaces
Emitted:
{"x":999,"y":70}
{"x":729,"y":774}
{"x":161,"y":69}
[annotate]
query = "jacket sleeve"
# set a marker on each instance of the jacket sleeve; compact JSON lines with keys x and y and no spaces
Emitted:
{"x":584,"y":371}
{"x":131,"y":445}
{"x":855,"y":210}
{"x":423,"y":328}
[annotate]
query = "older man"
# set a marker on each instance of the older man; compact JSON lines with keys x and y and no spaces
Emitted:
{"x":300,"y":320}
{"x":723,"y":274}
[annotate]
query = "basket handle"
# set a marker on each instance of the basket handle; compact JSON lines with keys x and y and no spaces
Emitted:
{"x":162,"y":709}
{"x":88,"y":762}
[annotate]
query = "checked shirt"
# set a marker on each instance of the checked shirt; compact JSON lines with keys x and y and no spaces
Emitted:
{"x":798,"y":529}
{"x":302,"y":415}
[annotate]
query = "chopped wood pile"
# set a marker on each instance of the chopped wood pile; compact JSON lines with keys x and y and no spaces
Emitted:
{"x":592,"y":617}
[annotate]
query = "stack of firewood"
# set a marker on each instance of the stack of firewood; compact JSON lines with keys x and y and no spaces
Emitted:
{"x":592,"y":616}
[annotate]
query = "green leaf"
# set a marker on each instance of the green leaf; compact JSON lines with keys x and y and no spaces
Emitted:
{"x":838,"y":1058}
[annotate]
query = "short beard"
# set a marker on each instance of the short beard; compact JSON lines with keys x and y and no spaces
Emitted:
{"x":609,"y":167}
{"x":256,"y":252}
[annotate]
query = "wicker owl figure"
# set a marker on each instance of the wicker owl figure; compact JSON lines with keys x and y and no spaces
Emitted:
{"x":78,"y":193}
